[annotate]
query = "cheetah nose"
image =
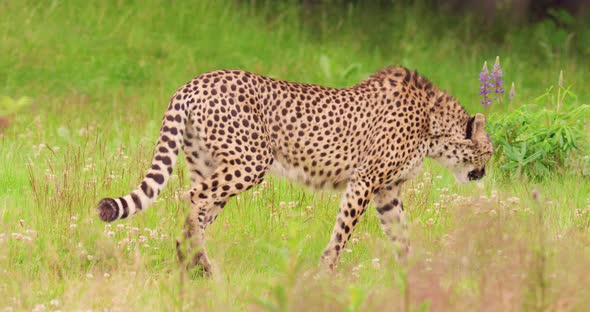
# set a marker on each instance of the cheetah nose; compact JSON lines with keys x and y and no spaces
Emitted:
{"x":476,"y":174}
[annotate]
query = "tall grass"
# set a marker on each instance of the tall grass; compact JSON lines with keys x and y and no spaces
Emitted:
{"x":100,"y":74}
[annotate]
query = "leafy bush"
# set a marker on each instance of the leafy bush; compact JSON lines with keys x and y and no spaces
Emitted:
{"x":537,"y":143}
{"x":533,"y":141}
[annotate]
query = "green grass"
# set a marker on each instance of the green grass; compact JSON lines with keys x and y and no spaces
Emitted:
{"x":100,"y":76}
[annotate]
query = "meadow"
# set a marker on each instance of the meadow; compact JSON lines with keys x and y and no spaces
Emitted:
{"x":95,"y":78}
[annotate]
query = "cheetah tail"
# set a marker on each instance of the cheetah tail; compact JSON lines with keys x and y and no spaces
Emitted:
{"x":166,"y":152}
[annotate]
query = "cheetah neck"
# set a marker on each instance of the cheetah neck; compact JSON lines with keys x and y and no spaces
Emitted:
{"x":447,"y":117}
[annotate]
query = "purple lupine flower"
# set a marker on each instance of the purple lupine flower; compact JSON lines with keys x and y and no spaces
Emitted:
{"x":497,"y":75}
{"x":485,"y":85}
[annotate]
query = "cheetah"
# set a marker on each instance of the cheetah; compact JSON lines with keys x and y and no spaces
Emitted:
{"x":368,"y":139}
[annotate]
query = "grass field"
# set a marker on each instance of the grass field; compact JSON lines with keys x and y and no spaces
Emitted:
{"x":100,"y":74}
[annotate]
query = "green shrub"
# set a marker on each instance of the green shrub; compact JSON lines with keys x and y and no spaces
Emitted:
{"x":538,"y":142}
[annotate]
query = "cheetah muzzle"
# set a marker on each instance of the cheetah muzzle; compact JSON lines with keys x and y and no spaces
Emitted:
{"x":475,"y":175}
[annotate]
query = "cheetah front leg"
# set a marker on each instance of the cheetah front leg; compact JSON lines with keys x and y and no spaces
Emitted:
{"x":390,"y":211}
{"x":353,"y":205}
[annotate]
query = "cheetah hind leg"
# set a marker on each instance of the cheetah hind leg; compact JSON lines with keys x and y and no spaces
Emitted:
{"x":193,"y":235}
{"x":207,"y":200}
{"x":199,"y":169}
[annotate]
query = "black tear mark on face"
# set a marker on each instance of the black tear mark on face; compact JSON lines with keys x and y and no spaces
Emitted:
{"x":469,"y":130}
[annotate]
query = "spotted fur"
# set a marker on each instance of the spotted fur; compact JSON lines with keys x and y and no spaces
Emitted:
{"x":236,"y":126}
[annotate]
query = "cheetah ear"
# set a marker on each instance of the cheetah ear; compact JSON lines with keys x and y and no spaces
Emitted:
{"x":476,"y":127}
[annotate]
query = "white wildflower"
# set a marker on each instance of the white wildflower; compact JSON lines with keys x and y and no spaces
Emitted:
{"x":376,"y":263}
{"x":430,"y":222}
{"x":514,"y":200}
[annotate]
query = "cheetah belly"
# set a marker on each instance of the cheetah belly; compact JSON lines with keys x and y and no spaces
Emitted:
{"x":282,"y":168}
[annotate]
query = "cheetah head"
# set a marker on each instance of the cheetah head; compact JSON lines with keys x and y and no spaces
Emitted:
{"x":466,"y":151}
